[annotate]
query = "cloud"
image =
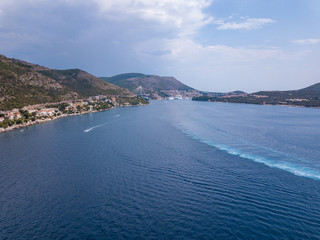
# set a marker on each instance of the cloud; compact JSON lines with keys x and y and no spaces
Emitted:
{"x":184,"y":16}
{"x":222,"y":67}
{"x":247,"y":24}
{"x":186,"y":50}
{"x":310,"y":41}
{"x":164,"y":37}
{"x":158,"y":52}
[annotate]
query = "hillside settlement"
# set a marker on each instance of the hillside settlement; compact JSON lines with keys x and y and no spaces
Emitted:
{"x":29,"y":115}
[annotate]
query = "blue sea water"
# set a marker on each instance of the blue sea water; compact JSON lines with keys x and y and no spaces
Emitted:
{"x":170,"y":170}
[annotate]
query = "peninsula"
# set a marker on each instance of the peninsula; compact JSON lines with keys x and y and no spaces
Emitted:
{"x":30,"y":94}
{"x":153,"y":86}
{"x":306,"y":97}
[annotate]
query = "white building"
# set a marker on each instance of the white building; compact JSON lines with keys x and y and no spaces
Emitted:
{"x":47,"y":112}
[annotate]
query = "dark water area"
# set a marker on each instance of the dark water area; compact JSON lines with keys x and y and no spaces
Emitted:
{"x":169,"y":170}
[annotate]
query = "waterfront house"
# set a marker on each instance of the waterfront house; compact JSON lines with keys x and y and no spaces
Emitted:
{"x":17,"y":115}
{"x":10,"y":115}
{"x":47,"y":112}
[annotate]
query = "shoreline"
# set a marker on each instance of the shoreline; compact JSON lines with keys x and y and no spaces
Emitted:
{"x":281,"y":105}
{"x":38,"y":121}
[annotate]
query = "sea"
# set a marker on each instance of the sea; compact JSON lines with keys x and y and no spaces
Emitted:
{"x":175,"y":169}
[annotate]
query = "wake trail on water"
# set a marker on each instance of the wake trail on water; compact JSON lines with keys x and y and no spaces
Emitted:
{"x":279,"y":160}
{"x":89,"y":129}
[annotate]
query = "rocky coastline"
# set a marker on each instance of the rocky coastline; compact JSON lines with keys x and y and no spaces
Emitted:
{"x":52,"y":118}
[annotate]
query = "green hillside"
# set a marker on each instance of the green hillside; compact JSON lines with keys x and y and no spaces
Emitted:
{"x":314,"y":87}
{"x":23,"y":83}
{"x":134,"y":80}
{"x":121,"y":77}
{"x":307,"y":97}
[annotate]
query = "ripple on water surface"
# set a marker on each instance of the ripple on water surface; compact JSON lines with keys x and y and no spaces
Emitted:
{"x":161,"y":171}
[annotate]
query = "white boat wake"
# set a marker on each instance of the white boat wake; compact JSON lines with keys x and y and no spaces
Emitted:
{"x":89,"y":129}
{"x":260,"y":154}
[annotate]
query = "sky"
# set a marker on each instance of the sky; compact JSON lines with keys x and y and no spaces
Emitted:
{"x":210,"y":45}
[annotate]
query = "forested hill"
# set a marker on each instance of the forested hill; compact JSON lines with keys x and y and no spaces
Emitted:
{"x":134,"y":80}
{"x":23,"y":83}
{"x":307,"y":97}
{"x":314,"y":87}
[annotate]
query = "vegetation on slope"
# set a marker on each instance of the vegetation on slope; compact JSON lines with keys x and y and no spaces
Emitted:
{"x":23,"y":83}
{"x":307,"y":97}
{"x":132,"y":81}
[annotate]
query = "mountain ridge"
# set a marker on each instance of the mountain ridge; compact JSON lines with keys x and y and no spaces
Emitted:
{"x":306,"y":97}
{"x":314,"y":87}
{"x":23,"y":83}
{"x":154,"y":86}
{"x":134,"y":80}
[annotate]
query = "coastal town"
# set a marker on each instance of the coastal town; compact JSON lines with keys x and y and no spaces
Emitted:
{"x":33,"y":114}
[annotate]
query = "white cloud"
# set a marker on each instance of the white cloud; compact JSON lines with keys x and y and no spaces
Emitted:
{"x":150,"y":36}
{"x":247,"y":24}
{"x":199,"y":66}
{"x":310,"y":41}
{"x":187,"y":50}
{"x":185,"y":16}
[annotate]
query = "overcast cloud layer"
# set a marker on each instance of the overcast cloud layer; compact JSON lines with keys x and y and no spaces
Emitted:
{"x":218,"y":45}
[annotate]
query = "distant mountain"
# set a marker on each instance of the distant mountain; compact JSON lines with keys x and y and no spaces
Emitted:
{"x":23,"y":83}
{"x":156,"y":87}
{"x":307,"y":97}
{"x":236,"y":93}
{"x":310,"y":92}
{"x":132,"y":81}
{"x":314,"y":87}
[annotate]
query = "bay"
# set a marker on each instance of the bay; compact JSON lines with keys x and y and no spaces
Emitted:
{"x":170,"y":170}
